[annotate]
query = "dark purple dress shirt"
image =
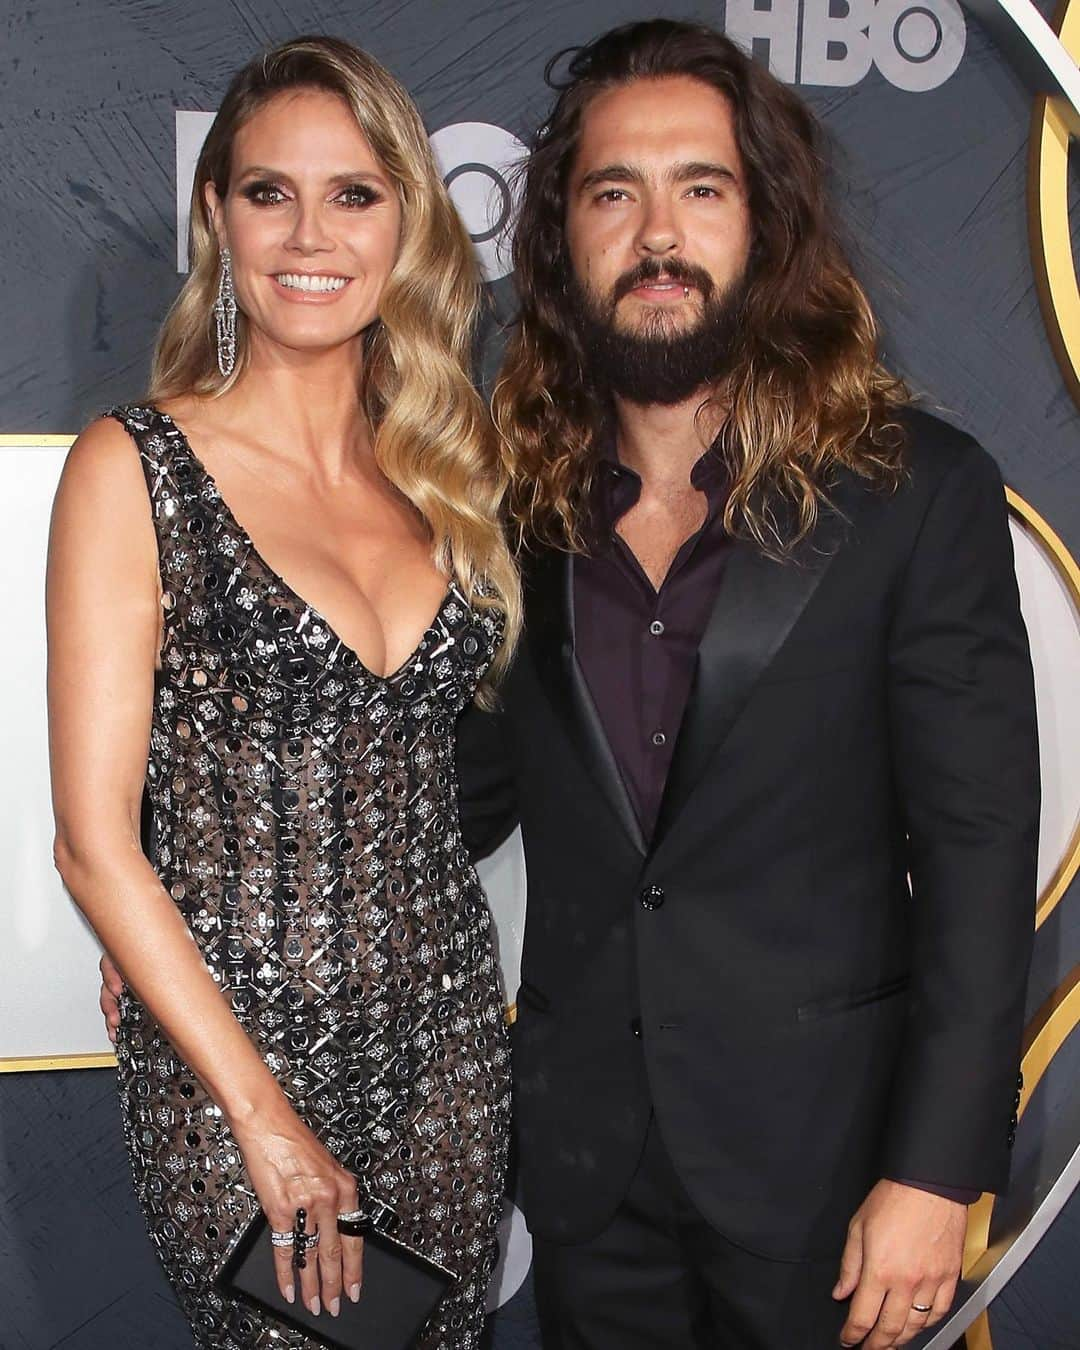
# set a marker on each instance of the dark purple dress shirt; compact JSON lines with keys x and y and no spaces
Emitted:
{"x":637,"y":646}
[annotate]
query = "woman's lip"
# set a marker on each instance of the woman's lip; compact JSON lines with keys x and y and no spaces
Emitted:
{"x":309,"y":297}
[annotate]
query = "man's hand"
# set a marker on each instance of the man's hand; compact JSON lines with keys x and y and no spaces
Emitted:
{"x":904,"y":1247}
{"x":112,"y":986}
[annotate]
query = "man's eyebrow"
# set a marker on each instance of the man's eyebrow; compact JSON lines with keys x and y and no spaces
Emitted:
{"x":676,"y":173}
{"x":700,"y":168}
{"x":611,"y":173}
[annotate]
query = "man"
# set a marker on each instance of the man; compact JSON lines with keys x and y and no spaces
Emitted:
{"x":774,"y":666}
{"x":770,"y":736}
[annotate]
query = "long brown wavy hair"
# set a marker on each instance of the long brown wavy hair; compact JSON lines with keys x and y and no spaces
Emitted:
{"x":434,"y":439}
{"x":806,"y":393}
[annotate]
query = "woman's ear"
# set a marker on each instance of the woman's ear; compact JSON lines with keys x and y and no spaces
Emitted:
{"x":217,"y":213}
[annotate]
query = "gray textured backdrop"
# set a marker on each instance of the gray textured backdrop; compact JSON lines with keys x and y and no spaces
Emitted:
{"x":933,"y":190}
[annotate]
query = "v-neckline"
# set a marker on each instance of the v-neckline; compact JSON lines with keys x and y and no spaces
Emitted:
{"x":290,"y":590}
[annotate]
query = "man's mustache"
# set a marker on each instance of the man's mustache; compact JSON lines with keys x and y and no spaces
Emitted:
{"x":650,"y":270}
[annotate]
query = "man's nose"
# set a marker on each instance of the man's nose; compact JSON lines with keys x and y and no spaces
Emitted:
{"x":659,"y":234}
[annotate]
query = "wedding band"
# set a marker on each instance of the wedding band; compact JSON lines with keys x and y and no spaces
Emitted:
{"x":280,"y":1239}
{"x":922,"y":1307}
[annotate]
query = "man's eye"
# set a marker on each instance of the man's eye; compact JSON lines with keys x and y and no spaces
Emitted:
{"x":703,"y":190}
{"x":611,"y":195}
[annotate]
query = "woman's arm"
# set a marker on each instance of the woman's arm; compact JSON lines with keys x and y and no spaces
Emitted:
{"x":103,"y":603}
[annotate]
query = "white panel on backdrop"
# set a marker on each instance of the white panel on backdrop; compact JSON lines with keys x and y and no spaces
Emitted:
{"x":49,"y":981}
{"x":1053,"y":625}
{"x":478,"y":161}
{"x":515,"y":1257}
{"x":50,"y":978}
{"x":191,"y":129}
{"x":503,"y":878}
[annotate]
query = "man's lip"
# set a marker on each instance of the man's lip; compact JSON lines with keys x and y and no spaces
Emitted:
{"x":663,"y":287}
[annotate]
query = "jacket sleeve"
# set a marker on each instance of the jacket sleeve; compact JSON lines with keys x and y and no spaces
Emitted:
{"x":965,"y":754}
{"x":487,"y":786}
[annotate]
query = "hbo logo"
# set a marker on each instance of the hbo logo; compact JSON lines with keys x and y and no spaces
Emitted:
{"x":915,"y":44}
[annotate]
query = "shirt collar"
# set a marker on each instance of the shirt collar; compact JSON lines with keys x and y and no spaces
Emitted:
{"x":618,"y":487}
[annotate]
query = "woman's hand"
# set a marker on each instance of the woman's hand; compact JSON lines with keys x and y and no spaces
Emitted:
{"x":291,"y":1170}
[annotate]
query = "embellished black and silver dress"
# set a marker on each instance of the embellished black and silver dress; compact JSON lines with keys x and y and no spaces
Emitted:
{"x":305,"y":823}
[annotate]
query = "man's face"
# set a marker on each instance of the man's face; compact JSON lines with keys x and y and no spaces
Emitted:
{"x":658,"y":231}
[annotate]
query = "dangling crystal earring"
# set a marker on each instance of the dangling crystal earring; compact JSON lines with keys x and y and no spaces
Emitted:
{"x":225,"y":317}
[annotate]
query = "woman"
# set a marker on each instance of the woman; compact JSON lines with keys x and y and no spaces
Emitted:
{"x":287,"y":589}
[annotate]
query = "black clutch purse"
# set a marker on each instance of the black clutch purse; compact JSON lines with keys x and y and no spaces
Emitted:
{"x":400,"y":1290}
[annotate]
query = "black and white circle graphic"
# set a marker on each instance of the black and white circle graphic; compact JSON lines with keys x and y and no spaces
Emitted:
{"x":478,"y":162}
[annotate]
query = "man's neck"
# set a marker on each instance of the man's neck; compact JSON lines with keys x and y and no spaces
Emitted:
{"x":663,"y":442}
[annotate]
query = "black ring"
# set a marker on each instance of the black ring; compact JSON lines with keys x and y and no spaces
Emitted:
{"x":299,"y":1257}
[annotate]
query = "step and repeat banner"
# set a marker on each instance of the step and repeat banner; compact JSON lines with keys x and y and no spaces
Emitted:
{"x":955,"y":183}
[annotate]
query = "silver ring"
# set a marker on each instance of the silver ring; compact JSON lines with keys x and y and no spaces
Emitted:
{"x":308,"y":1239}
{"x":353,"y":1216}
{"x":280,"y":1239}
{"x":922,"y":1307}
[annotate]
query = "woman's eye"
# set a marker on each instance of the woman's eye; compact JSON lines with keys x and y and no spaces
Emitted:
{"x":264,"y":194}
{"x":357,"y":194}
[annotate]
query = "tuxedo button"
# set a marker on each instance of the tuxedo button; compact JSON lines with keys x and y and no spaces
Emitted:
{"x":635,"y":1027}
{"x":652,"y":897}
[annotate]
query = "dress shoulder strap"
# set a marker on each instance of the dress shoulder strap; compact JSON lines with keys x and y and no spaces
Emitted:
{"x":184,"y":503}
{"x":168,"y":466}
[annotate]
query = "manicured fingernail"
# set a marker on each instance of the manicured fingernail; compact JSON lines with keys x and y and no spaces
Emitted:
{"x":354,"y":1292}
{"x":290,"y":1293}
{"x":315,"y":1306}
{"x":335,"y":1307}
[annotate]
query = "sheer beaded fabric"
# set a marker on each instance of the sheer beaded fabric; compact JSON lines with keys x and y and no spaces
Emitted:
{"x":304,"y":820}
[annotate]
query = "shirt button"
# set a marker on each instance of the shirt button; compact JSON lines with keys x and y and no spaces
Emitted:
{"x":656,"y":628}
{"x":658,"y":738}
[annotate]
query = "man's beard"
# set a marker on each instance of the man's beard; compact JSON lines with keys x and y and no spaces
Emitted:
{"x":657,"y":363}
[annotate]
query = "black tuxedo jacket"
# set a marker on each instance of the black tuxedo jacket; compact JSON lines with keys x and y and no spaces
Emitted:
{"x":814,"y":972}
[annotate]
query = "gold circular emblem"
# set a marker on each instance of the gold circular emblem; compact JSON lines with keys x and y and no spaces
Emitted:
{"x":1048,"y":209}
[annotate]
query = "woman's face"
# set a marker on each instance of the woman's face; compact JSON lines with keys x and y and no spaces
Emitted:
{"x":312,"y":219}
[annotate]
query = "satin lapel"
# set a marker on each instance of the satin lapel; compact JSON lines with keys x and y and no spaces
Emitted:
{"x":756,"y":607}
{"x":549,"y":626}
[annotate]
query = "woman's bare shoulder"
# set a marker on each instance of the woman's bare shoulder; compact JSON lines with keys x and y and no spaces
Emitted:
{"x":102,"y":487}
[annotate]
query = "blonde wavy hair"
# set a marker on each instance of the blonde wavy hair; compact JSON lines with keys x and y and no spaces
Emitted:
{"x":433,"y":438}
{"x":806,"y":394}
